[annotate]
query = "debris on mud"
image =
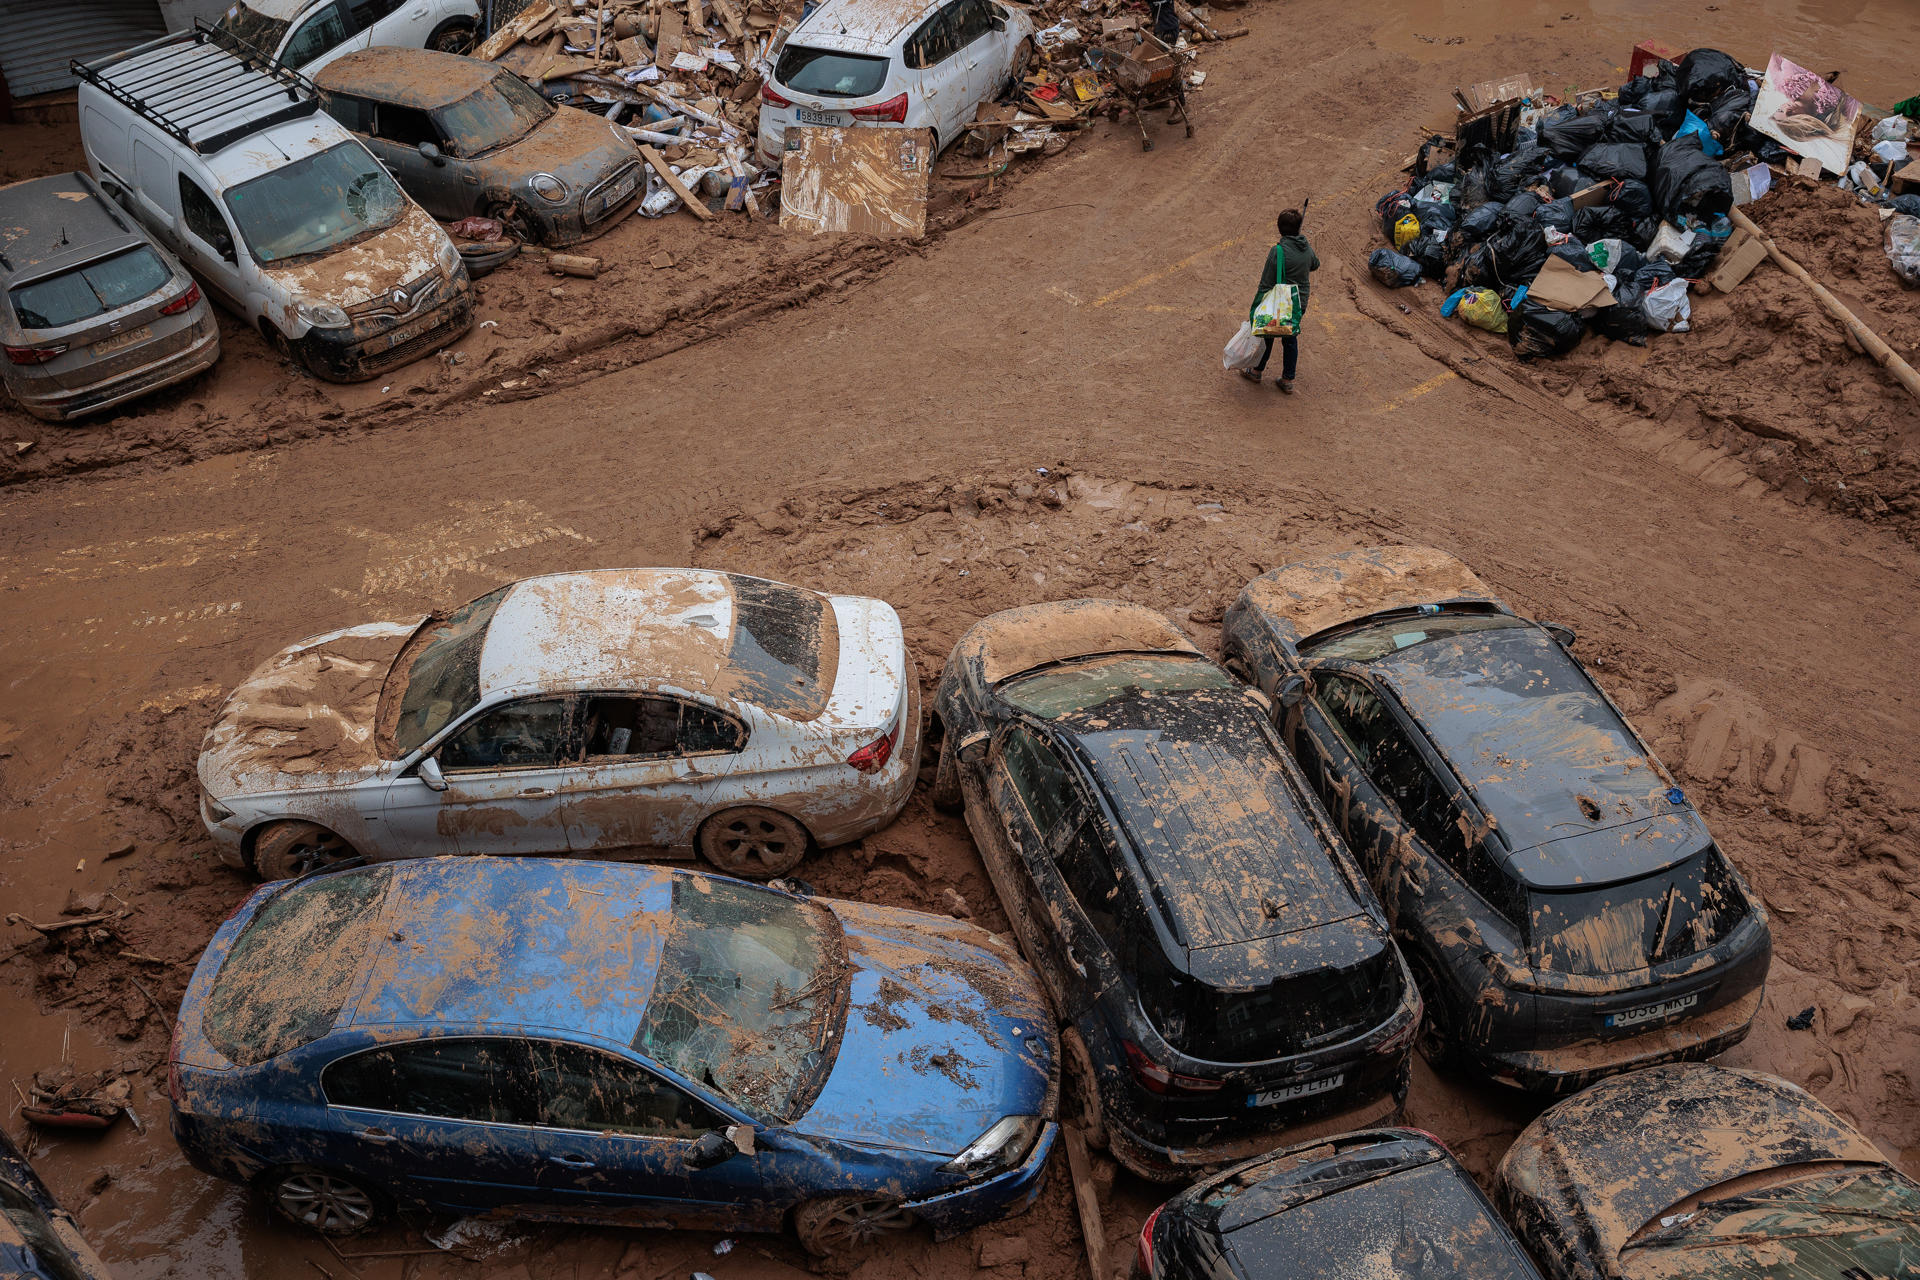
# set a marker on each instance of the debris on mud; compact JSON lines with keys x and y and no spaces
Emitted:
{"x":63,"y":1098}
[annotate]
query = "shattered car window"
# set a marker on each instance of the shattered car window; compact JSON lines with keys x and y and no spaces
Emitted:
{"x":750,"y":997}
{"x":441,"y":670}
{"x":503,"y":111}
{"x":282,"y":984}
{"x":316,"y":204}
{"x":256,"y":29}
{"x":1059,"y":690}
{"x":1624,"y":927}
{"x":786,"y":647}
{"x":1378,"y":639}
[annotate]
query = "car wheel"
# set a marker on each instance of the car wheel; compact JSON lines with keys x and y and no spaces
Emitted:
{"x":510,"y":215}
{"x":284,"y":850}
{"x":1080,"y":1090}
{"x":453,"y":36}
{"x":753,"y":843}
{"x":842,"y":1225}
{"x":1437,"y":1042}
{"x":1022,"y":59}
{"x":330,"y":1203}
{"x":947,"y":795}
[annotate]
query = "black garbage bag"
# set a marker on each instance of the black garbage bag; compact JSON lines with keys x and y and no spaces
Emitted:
{"x":1723,"y":115}
{"x":1556,"y":215}
{"x":1518,"y":250}
{"x":1907,"y":204}
{"x":1615,"y":160}
{"x":1638,"y":127}
{"x":1523,"y":205}
{"x":1435,"y":213}
{"x":1705,"y":73}
{"x":1471,"y":190}
{"x":1395,"y":270}
{"x":1568,"y":179}
{"x":1666,"y":108}
{"x":1625,"y":320}
{"x":1699,"y":260}
{"x":1574,"y":252}
{"x":1629,"y":264}
{"x":1479,"y":223}
{"x":1429,"y":249}
{"x":1392,"y":207}
{"x":1527,"y":161}
{"x":1654,"y":272}
{"x":1641,"y":231}
{"x":1663,"y":78}
{"x":1635,"y":199}
{"x":1448,"y":172}
{"x":1535,"y":331}
{"x":1476,"y":267}
{"x":1601,"y":222}
{"x":1568,"y":140}
{"x":1688,"y":180}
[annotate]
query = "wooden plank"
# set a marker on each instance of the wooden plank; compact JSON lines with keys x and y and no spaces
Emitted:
{"x":1091,"y":1229}
{"x":730,"y":19}
{"x":672,"y":32}
{"x":508,"y":36}
{"x":696,"y":16}
{"x":660,"y":166}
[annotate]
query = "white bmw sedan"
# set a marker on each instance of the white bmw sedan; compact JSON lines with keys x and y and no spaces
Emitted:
{"x":675,"y":709}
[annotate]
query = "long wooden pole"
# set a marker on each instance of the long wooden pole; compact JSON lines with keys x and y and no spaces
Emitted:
{"x":1875,"y":345}
{"x":1092,"y":1231}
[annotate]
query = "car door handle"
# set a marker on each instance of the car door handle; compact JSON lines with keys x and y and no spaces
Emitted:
{"x":539,"y":793}
{"x":379,"y":1137}
{"x":1073,"y":958}
{"x":572,"y":1162}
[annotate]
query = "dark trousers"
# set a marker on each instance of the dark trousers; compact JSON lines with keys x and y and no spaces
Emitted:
{"x":1166,"y":23}
{"x":1289,"y":356}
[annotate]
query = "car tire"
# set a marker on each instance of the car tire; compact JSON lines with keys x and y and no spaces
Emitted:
{"x":283,"y":850}
{"x":510,"y":215}
{"x":1022,"y":59}
{"x":946,"y":795}
{"x":456,"y":35}
{"x":753,"y":843}
{"x":1436,"y":1042}
{"x":1080,"y":1106}
{"x":323,"y":1200}
{"x":844,"y":1226}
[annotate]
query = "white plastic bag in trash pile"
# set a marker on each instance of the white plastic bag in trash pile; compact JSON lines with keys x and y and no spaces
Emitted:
{"x":1667,"y":307}
{"x":1903,"y":246}
{"x":1243,"y":349}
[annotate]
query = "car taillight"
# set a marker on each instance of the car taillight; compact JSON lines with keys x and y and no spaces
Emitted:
{"x":893,"y":109}
{"x":873,"y":757}
{"x":181,"y":303}
{"x":34,"y":355}
{"x":1430,"y":1137}
{"x":772,"y":99}
{"x":1155,"y":1078}
{"x":1146,"y":1242}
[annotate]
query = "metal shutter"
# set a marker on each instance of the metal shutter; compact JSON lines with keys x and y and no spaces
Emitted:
{"x":38,"y":39}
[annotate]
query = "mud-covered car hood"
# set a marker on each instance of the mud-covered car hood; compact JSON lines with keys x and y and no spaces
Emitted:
{"x":346,"y":277}
{"x":305,"y":717}
{"x":575,"y":146}
{"x":946,"y":1033}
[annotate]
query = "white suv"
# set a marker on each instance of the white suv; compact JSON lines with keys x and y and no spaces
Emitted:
{"x":922,"y":66}
{"x":308,"y":34}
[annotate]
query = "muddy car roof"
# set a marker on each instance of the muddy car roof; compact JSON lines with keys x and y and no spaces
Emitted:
{"x":1629,"y":1147}
{"x":860,"y":25}
{"x":1016,"y":640}
{"x":1231,"y":856}
{"x":49,"y":223}
{"x":1573,"y":793}
{"x":1329,"y":591}
{"x":534,"y":942}
{"x":419,"y":78}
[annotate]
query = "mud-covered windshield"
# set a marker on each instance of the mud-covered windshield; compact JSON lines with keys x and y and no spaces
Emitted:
{"x":751,"y":995}
{"x":84,"y":292}
{"x":282,"y":984}
{"x":1060,"y":690}
{"x":1847,"y":1223}
{"x":1624,"y":927}
{"x":504,"y":111}
{"x":1390,"y":635}
{"x":315,"y":204}
{"x":440,"y":671}
{"x":256,"y":29}
{"x":786,"y":647}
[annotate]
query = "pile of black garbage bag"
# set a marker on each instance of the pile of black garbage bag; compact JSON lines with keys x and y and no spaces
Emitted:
{"x":1658,"y":149}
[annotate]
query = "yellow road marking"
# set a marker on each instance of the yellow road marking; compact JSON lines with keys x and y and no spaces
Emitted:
{"x":1408,"y":397}
{"x":1154,"y":277}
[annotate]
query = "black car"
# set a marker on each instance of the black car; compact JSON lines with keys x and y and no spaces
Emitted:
{"x":1695,"y":1172}
{"x":1371,"y":1206}
{"x":1563,"y":907}
{"x":38,"y":1239}
{"x":1220,"y":968}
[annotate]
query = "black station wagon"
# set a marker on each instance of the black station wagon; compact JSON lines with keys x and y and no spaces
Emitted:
{"x":1561,"y":904}
{"x":1221,"y":969}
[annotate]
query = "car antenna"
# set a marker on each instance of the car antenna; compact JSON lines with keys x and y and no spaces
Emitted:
{"x":63,"y":233}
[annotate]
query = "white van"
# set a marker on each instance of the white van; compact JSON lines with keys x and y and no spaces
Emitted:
{"x":308,"y":34}
{"x":282,"y":215}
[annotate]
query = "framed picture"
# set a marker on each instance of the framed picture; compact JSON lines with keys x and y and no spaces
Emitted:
{"x":1806,"y":114}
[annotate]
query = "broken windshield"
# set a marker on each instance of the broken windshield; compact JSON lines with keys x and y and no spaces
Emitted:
{"x":441,"y":670}
{"x":503,"y":111}
{"x":316,"y":204}
{"x":751,"y":995}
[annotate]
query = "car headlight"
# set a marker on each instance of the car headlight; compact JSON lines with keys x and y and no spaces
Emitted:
{"x":548,"y":187}
{"x":449,"y":257}
{"x":323,"y":315}
{"x":1000,"y":1148}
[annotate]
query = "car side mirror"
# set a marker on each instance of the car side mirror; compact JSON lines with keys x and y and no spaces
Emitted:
{"x":1561,"y":632}
{"x":431,"y":775}
{"x":972,"y":749}
{"x":223,"y":245}
{"x":432,"y":153}
{"x":1292,"y":691}
{"x":709,"y":1149}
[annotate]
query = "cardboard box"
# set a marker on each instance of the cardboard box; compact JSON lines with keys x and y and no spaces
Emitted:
{"x":1648,"y":52}
{"x":866,"y":181}
{"x":1561,"y":286}
{"x":1590,"y":197}
{"x":1906,"y":181}
{"x":1737,"y":260}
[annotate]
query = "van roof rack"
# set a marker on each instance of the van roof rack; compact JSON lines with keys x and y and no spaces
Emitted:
{"x":205,"y":87}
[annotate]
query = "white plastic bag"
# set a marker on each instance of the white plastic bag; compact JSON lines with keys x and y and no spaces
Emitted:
{"x":1667,"y":308}
{"x":1903,"y":246}
{"x":1893,"y":129}
{"x":1243,"y":349}
{"x":1890,"y":152}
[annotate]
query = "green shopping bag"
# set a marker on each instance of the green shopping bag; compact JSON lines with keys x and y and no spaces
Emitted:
{"x":1277,"y":315}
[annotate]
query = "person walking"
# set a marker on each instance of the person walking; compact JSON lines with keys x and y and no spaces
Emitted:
{"x":1292,"y":261}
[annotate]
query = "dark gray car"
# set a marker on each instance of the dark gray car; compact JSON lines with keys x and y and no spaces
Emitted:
{"x":465,"y":137}
{"x":96,"y":312}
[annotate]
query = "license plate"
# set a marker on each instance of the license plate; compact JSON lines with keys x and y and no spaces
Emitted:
{"x":1652,"y":1012}
{"x":407,"y":331}
{"x":831,"y":119}
{"x":120,"y":341}
{"x":1287,"y":1093}
{"x":620,"y":191}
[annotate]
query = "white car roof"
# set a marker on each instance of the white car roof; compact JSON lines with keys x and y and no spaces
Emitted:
{"x":269,"y":149}
{"x":281,"y":10}
{"x":861,"y":26}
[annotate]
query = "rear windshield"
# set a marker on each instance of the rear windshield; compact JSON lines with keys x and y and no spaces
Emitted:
{"x":287,"y":976}
{"x":786,"y":647}
{"x":829,"y":73}
{"x":1624,"y":927}
{"x":1323,"y":1006}
{"x":88,"y":291}
{"x":316,"y":204}
{"x":1060,"y":690}
{"x":441,"y":668}
{"x":256,"y":29}
{"x":504,"y":111}
{"x":1378,"y":639}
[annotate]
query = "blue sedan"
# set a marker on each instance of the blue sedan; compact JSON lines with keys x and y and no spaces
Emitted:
{"x":612,"y":1043}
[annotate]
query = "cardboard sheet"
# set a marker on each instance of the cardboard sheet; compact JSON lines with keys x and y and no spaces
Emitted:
{"x":870,"y":181}
{"x":1561,"y":286}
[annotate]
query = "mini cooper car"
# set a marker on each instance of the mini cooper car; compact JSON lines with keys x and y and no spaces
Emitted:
{"x":1222,"y":970}
{"x":38,"y":1239}
{"x":1379,"y":1204}
{"x":678,"y":709}
{"x":1696,"y":1172}
{"x":465,"y":137}
{"x":1563,"y":907}
{"x":611,"y":1043}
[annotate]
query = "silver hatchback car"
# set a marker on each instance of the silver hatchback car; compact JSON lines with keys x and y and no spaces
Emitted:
{"x":96,"y":312}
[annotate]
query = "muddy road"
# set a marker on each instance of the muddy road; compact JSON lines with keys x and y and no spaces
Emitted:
{"x":1028,"y":408}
